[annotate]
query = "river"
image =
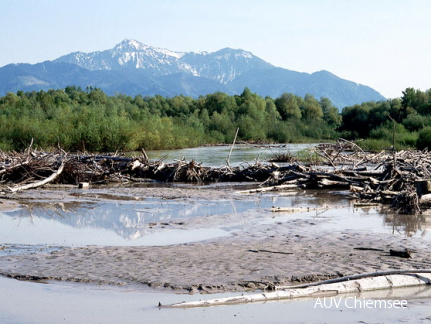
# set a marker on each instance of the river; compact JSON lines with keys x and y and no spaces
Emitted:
{"x":157,"y":214}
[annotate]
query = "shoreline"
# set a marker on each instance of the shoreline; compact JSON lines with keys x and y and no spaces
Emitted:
{"x":255,"y":256}
{"x":269,"y":255}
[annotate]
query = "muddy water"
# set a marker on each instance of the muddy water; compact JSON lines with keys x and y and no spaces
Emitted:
{"x":164,"y":215}
{"x":24,"y":302}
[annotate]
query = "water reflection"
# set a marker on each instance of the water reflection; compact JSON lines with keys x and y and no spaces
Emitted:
{"x":215,"y":156}
{"x":133,"y":219}
{"x":103,"y":217}
{"x":410,"y":225}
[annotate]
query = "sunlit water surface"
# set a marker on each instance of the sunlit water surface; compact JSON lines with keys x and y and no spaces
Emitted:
{"x":112,"y":216}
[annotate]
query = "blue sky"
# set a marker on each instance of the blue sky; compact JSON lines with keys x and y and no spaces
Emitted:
{"x":384,"y":44}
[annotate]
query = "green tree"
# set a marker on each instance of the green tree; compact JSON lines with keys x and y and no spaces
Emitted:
{"x":331,"y":115}
{"x":288,"y":106}
{"x":355,"y":120}
{"x":310,"y":109}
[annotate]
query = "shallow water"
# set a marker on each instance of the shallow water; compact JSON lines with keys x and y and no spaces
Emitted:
{"x":110,"y":216}
{"x":129,"y":216}
{"x":26,"y":302}
{"x":216,"y":156}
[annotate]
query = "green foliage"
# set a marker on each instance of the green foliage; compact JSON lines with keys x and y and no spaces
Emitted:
{"x":288,"y":106}
{"x":373,"y":145}
{"x":415,"y":122}
{"x":403,"y":138}
{"x":331,"y":115}
{"x":356,"y":120}
{"x":375,"y":121}
{"x":311,"y":109}
{"x":90,"y":120}
{"x":309,"y":156}
{"x":424,"y":138}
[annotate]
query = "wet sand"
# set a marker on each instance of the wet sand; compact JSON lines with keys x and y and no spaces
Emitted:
{"x":256,"y":257}
{"x":221,"y":265}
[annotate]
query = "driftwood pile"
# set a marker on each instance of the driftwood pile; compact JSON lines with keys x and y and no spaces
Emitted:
{"x":396,"y":178}
{"x":21,"y":169}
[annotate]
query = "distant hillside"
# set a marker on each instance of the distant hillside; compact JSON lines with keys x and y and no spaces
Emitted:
{"x":133,"y":68}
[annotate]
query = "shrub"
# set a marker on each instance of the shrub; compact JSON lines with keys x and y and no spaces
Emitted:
{"x":424,"y":138}
{"x":373,"y":145}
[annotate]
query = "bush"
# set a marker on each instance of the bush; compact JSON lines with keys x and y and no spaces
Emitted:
{"x":424,"y":138}
{"x":414,"y":122}
{"x":373,"y":145}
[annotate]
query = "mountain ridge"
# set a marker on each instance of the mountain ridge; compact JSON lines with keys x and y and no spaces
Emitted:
{"x":133,"y":68}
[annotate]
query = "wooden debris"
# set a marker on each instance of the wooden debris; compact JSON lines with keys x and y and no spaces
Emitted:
{"x":39,"y":183}
{"x":350,"y":284}
{"x":297,"y":209}
{"x":401,"y":253}
{"x":372,"y":178}
{"x":368,"y":249}
{"x":83,"y":185}
{"x":274,"y":188}
{"x":267,"y":251}
{"x":366,"y":204}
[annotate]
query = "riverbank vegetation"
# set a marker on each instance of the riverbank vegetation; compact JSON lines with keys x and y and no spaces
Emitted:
{"x":89,"y":120}
{"x":403,"y":122}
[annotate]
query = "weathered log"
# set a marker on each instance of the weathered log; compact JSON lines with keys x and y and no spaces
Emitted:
{"x":39,"y":183}
{"x":273,"y":188}
{"x":19,"y":168}
{"x":325,"y":183}
{"x":350,"y":284}
{"x":356,"y":188}
{"x":267,"y":251}
{"x":298,"y":209}
{"x":366,"y":204}
{"x":368,"y":249}
{"x":401,"y":253}
{"x":425,"y":200}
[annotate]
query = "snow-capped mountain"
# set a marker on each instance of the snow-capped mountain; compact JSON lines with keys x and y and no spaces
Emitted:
{"x":129,"y":54}
{"x":134,"y":68}
{"x":223,"y":65}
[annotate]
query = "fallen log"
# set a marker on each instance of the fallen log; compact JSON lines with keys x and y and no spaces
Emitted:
{"x":425,"y":199}
{"x":401,"y":253}
{"x":298,"y":209}
{"x":265,"y":189}
{"x":39,"y":183}
{"x":378,"y":181}
{"x":325,"y":183}
{"x":267,"y":251}
{"x":365,"y":204}
{"x":349,"y":284}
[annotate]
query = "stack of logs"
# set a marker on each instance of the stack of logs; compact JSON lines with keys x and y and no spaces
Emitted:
{"x":396,"y":178}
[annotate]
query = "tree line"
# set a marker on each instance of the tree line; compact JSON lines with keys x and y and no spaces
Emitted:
{"x":77,"y":119}
{"x":405,"y":122}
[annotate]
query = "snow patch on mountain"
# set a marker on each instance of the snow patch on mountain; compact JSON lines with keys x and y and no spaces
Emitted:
{"x":224,"y":65}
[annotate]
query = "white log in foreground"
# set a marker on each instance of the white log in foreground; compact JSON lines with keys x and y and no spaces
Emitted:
{"x":368,"y":283}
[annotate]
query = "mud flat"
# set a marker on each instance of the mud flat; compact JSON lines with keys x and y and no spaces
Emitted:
{"x":255,"y":256}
